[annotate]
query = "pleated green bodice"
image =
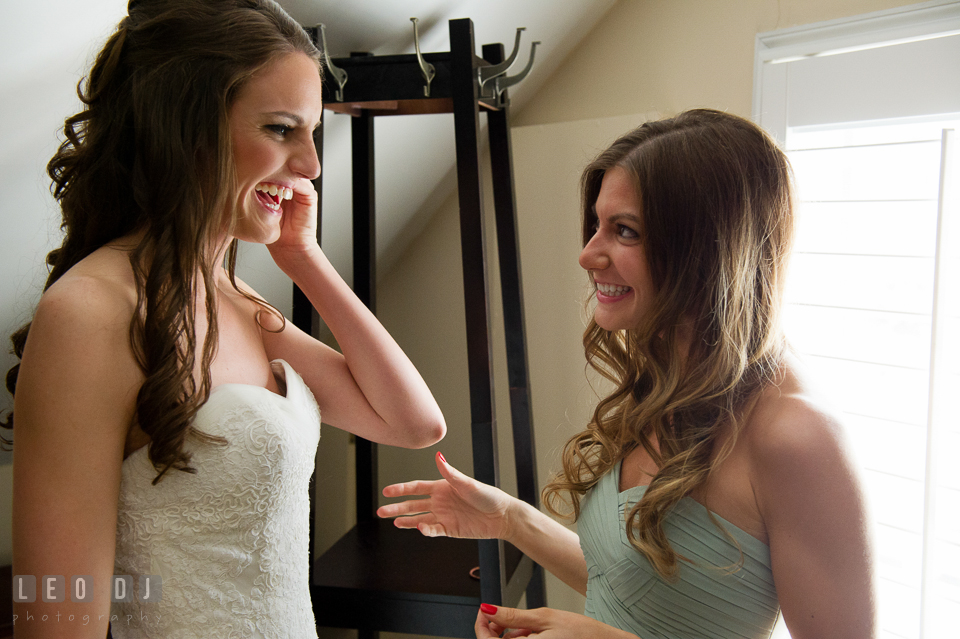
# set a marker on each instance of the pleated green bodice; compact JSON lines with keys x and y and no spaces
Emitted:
{"x":708,"y":600}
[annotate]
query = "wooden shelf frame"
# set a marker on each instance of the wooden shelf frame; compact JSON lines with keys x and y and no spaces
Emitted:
{"x":378,"y":578}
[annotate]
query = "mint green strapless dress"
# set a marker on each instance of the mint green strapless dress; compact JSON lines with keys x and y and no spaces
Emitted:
{"x":708,"y":600}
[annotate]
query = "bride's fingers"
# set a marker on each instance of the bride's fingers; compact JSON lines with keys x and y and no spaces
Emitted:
{"x":304,"y":190}
{"x":409,"y":488}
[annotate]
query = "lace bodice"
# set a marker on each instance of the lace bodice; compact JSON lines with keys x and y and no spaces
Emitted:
{"x":229,"y":542}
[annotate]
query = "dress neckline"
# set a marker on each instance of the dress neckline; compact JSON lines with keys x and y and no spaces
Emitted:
{"x":624,"y":496}
{"x":280,"y":370}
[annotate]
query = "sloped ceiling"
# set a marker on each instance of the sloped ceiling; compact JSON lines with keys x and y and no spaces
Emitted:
{"x":415,"y":158}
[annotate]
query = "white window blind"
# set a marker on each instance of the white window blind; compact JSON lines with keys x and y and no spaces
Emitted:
{"x":861,"y":104}
{"x":862,"y":296}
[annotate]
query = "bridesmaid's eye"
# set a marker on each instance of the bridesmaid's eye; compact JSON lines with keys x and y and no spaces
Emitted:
{"x":280,"y":129}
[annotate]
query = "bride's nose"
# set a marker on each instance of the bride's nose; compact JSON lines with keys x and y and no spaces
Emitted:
{"x":305,"y":162}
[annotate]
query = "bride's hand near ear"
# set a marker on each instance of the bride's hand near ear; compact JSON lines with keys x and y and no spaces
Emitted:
{"x":298,"y":227}
{"x":370,"y":388}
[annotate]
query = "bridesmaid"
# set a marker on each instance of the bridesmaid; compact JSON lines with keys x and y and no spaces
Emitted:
{"x":711,"y":488}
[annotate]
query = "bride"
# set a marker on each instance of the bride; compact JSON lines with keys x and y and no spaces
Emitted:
{"x":167,"y":417}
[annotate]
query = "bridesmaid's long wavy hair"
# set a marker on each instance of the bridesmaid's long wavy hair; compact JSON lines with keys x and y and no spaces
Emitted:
{"x":717,"y":227}
{"x":151,"y":154}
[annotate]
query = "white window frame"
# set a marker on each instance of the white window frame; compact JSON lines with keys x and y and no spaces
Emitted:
{"x":922,"y":21}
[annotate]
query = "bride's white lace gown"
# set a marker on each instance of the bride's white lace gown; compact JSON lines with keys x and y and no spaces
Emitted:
{"x":229,"y":542}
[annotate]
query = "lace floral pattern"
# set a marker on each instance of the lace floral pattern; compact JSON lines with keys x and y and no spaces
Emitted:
{"x":230,"y":542}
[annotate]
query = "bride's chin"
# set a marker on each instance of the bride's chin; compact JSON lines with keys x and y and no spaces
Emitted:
{"x":257,"y":231}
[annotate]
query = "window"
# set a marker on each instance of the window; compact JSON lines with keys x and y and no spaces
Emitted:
{"x":861,"y":304}
{"x":861,"y":106}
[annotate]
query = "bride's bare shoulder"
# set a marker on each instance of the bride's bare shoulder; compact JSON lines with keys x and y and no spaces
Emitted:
{"x":101,"y":284}
{"x":91,"y":304}
{"x":78,"y":378}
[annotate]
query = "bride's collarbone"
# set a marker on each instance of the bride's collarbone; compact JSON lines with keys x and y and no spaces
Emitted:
{"x":240,"y":357}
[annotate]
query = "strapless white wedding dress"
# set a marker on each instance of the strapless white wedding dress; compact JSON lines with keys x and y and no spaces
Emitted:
{"x":229,"y":542}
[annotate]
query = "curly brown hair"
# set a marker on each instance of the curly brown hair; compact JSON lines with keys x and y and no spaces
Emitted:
{"x":716,"y":203}
{"x":151,"y":154}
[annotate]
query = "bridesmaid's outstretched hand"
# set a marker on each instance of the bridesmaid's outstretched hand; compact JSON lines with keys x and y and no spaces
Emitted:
{"x":455,"y":506}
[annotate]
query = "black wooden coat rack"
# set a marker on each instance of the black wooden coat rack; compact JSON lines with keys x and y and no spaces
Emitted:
{"x":378,"y":578}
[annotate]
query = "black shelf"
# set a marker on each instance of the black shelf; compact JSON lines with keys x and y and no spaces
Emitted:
{"x":378,"y":577}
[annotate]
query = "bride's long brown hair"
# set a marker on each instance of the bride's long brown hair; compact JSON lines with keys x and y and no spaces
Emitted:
{"x":151,"y":154}
{"x":717,"y":227}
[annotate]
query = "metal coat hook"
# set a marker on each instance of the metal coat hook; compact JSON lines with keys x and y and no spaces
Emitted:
{"x":489,"y":72}
{"x":338,"y":74}
{"x":426,"y":68}
{"x":501,"y":83}
{"x":509,"y":81}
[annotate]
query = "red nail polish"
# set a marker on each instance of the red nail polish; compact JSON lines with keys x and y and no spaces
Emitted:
{"x":442,"y":458}
{"x":487,"y":609}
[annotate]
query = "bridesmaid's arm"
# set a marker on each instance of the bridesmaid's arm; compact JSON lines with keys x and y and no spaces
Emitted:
{"x":815,"y":514}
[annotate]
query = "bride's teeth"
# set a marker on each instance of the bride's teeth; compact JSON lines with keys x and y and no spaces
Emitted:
{"x":283,"y":192}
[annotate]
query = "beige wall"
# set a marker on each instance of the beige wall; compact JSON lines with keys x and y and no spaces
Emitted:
{"x":665,"y":56}
{"x":644,"y":57}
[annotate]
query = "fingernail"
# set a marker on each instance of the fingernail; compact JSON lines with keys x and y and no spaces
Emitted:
{"x":442,"y":458}
{"x":487,"y":609}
